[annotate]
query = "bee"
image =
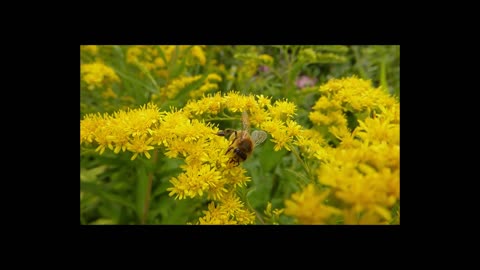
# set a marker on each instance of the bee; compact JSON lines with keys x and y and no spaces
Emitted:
{"x":243,"y":142}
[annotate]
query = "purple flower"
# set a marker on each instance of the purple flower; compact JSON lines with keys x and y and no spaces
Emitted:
{"x":263,"y":68}
{"x":305,"y":81}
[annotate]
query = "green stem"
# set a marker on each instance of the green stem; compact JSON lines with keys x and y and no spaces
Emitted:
{"x":252,"y":209}
{"x":304,"y":165}
{"x":383,"y":75}
{"x":275,"y":72}
{"x":149,"y":189}
{"x":256,"y":213}
{"x":361,"y":70}
{"x":289,"y":68}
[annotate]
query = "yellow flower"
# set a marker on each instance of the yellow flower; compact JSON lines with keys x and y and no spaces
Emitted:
{"x":207,"y":171}
{"x":272,"y":216}
{"x":215,"y":215}
{"x":364,"y":170}
{"x":234,"y":102}
{"x":263,"y":101}
{"x":235,"y":175}
{"x":92,"y":49}
{"x":171,"y":90}
{"x":245,"y":217}
{"x":97,"y":74}
{"x":88,"y":127}
{"x":324,"y":104}
{"x":199,"y":54}
{"x":378,"y":130}
{"x":310,"y":142}
{"x":109,"y":93}
{"x":279,"y":134}
{"x":282,"y":110}
{"x":203,"y":89}
{"x":231,"y":203}
{"x":230,"y":210}
{"x":195,"y":181}
{"x":159,"y":62}
{"x":213,"y":77}
{"x":354,"y":93}
{"x":308,"y":206}
{"x":140,"y":145}
{"x":130,"y":130}
{"x":266,"y":59}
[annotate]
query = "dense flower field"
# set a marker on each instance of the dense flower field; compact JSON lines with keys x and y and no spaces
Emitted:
{"x":239,"y":134}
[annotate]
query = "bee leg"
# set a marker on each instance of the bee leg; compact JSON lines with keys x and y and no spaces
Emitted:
{"x":234,"y":161}
{"x":234,"y":139}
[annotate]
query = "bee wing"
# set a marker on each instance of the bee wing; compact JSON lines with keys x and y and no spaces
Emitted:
{"x":245,"y":122}
{"x":258,"y":136}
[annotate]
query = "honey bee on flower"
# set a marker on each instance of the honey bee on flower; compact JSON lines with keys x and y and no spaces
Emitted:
{"x":243,"y":142}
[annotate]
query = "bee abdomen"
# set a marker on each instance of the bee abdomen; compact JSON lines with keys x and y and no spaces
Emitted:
{"x":241,"y":154}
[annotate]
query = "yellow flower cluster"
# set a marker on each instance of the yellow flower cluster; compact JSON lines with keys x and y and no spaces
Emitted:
{"x":108,"y":93}
{"x":266,"y":59}
{"x":275,"y":119}
{"x":124,"y":130}
{"x":363,"y":171}
{"x":330,"y":54}
{"x":346,"y":95}
{"x":230,"y":210}
{"x":181,"y":83}
{"x":207,"y":170}
{"x":358,"y":178}
{"x":97,"y":74}
{"x":272,"y":216}
{"x":251,"y":62}
{"x":157,"y":58}
{"x":175,"y":86}
{"x":91,"y":49}
{"x":198,"y":56}
{"x":308,"y":206}
{"x":210,"y":84}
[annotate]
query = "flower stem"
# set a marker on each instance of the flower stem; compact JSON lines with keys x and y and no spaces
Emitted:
{"x":149,"y":189}
{"x":304,"y":165}
{"x":253,"y":209}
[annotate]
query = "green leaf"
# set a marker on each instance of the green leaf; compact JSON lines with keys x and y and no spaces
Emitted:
{"x":269,"y":157}
{"x":300,"y":177}
{"x":178,"y":68}
{"x":91,"y":174}
{"x":260,"y":194}
{"x":162,"y":55}
{"x":127,"y":78}
{"x":99,"y":191}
